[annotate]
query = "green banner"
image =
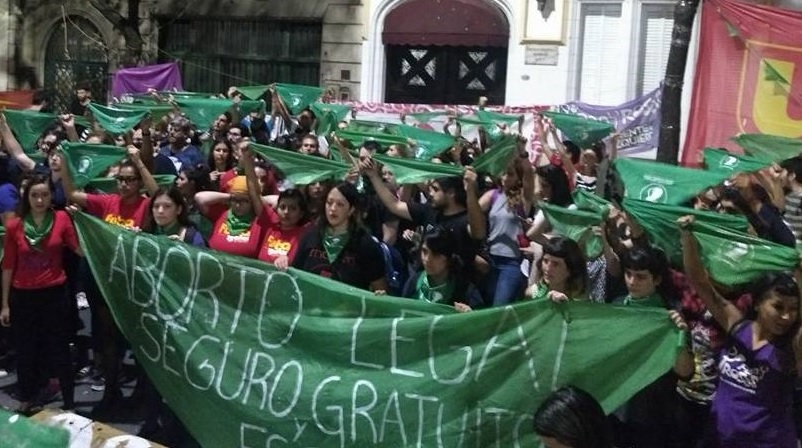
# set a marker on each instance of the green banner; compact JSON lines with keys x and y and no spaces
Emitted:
{"x":496,"y":117}
{"x":410,"y":171}
{"x":302,"y":169}
{"x":253,"y":92}
{"x":372,"y":127}
{"x":88,"y":161}
{"x":297,"y":97}
{"x":769,"y":148}
{"x":494,"y":132}
{"x":426,"y":117}
{"x":659,"y":221}
{"x":576,"y":225}
{"x":203,"y":111}
{"x":157,"y":111}
{"x":664,"y":183}
{"x":495,"y":159}
{"x":114,"y":120}
{"x":428,"y":144}
{"x":18,"y":431}
{"x":586,"y":200}
{"x":724,"y":161}
{"x":735,"y":258}
{"x":357,"y":138}
{"x":247,"y":355}
{"x":28,"y":126}
{"x":582,"y":131}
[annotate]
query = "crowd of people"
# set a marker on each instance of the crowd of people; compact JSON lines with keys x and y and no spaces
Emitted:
{"x":475,"y":241}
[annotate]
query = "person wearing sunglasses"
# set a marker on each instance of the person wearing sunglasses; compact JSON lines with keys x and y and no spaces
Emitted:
{"x":128,"y":209}
{"x":239,"y":216}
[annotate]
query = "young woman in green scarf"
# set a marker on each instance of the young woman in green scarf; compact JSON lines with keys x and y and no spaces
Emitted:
{"x":35,"y":303}
{"x":169,"y":217}
{"x":440,"y":280}
{"x":561,"y":272}
{"x":239,"y":216}
{"x":339,"y":247}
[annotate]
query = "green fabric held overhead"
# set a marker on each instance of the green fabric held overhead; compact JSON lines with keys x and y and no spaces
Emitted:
{"x":769,"y":148}
{"x":157,"y":111}
{"x":410,"y":171}
{"x":374,"y":127}
{"x":771,"y":74}
{"x":724,"y":161}
{"x":357,"y":138}
{"x":302,"y":169}
{"x":28,"y":126}
{"x":428,"y":144}
{"x":116,"y":121}
{"x":298,"y":358}
{"x":495,"y":159}
{"x":426,"y":117}
{"x":203,"y":111}
{"x":108,"y":185}
{"x":297,"y":97}
{"x":329,"y":116}
{"x":253,"y":92}
{"x":659,"y":221}
{"x":496,"y":117}
{"x":735,"y":258}
{"x":87,"y":162}
{"x":576,"y":225}
{"x":588,"y":201}
{"x":664,"y":183}
{"x":19,"y":431}
{"x":582,"y":131}
{"x":494,"y":133}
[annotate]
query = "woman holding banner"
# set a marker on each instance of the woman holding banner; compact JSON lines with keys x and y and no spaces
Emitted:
{"x":127,"y":209}
{"x":35,"y":302}
{"x":239,"y":216}
{"x":753,"y":405}
{"x":562,"y":272}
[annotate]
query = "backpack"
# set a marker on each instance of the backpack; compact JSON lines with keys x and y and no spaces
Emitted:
{"x":394,"y":268}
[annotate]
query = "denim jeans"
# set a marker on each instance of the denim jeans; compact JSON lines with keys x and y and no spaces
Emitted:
{"x":507,"y":281}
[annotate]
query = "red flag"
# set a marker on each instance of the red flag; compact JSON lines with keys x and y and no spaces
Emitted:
{"x":748,"y":76}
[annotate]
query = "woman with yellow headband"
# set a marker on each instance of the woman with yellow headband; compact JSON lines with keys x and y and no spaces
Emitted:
{"x":239,"y":216}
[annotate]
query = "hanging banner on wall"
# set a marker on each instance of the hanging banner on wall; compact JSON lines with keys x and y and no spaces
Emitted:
{"x":637,"y":122}
{"x":133,"y":80}
{"x":748,"y":76}
{"x":247,"y":355}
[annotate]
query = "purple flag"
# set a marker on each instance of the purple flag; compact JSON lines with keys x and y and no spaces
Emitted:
{"x":637,"y":121}
{"x":140,"y":79}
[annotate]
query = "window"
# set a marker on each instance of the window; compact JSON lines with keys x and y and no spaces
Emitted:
{"x":217,"y":53}
{"x":602,"y":54}
{"x":657,"y":21}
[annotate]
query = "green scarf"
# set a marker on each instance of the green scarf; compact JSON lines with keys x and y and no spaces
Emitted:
{"x":238,"y":225}
{"x":173,"y":229}
{"x":35,"y":234}
{"x":651,"y":301}
{"x":334,"y":245}
{"x":435,"y":294}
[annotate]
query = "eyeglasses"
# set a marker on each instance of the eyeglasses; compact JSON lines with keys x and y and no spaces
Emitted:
{"x":127,"y":179}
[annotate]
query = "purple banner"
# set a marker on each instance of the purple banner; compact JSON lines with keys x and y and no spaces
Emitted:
{"x":140,"y":79}
{"x":637,"y":122}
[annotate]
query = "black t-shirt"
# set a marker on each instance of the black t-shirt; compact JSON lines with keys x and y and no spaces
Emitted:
{"x":360,"y":262}
{"x":428,"y":217}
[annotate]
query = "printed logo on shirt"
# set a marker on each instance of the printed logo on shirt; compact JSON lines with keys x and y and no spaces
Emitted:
{"x":120,"y":221}
{"x":277,"y":247}
{"x":734,"y":370}
{"x":243,"y":237}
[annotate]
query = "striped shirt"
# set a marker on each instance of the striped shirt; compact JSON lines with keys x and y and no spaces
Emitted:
{"x":793,"y":214}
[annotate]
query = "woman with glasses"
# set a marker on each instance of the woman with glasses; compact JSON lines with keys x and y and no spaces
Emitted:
{"x":128,"y":209}
{"x":239,"y":216}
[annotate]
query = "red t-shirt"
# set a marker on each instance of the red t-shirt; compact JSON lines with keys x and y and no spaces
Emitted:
{"x":245,"y":244}
{"x":111,"y":209}
{"x":278,"y":241}
{"x":42,"y":267}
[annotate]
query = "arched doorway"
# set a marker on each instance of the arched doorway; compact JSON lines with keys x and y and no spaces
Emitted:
{"x":445,"y":52}
{"x":76,"y":54}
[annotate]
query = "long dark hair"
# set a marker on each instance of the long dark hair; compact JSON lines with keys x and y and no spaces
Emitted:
{"x":574,"y":418}
{"x":441,"y":241}
{"x":231,"y":161}
{"x":352,"y":196}
{"x":575,"y":262}
{"x":175,"y":195}
{"x":24,"y":207}
{"x":557,"y":180}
